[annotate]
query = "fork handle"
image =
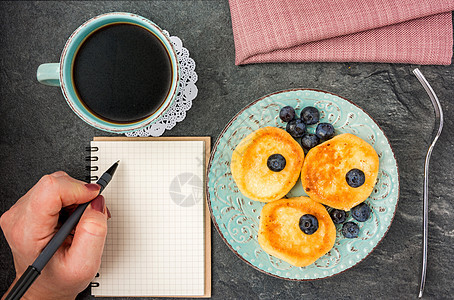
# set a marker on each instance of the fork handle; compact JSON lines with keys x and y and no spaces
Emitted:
{"x":425,"y":232}
{"x":439,"y":115}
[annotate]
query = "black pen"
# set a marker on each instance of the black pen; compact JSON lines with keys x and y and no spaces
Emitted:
{"x":34,"y":270}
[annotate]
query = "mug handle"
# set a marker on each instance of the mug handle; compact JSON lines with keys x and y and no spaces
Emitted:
{"x":49,"y":74}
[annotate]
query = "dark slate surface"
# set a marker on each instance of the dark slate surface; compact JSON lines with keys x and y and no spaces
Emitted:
{"x":40,"y":134}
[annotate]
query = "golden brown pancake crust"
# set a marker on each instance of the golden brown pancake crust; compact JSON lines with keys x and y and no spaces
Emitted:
{"x":249,"y":164}
{"x":281,"y":236}
{"x":325,"y":167}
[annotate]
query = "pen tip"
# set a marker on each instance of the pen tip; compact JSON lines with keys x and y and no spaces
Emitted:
{"x":117,"y":161}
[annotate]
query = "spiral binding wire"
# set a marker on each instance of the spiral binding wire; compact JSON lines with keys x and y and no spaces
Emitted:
{"x":95,"y":283}
{"x":92,"y":178}
{"x":90,"y":168}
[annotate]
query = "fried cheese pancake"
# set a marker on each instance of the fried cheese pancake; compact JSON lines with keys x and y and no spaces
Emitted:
{"x":324,"y":171}
{"x":280,"y":235}
{"x":249,"y":164}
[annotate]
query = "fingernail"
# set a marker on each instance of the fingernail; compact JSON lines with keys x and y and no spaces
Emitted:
{"x":92,"y":187}
{"x":98,"y":203}
{"x":108,"y":213}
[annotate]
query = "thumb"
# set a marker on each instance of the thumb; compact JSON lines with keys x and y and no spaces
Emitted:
{"x":89,"y":237}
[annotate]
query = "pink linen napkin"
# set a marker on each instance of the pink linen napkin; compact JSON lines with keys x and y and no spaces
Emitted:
{"x":389,"y":31}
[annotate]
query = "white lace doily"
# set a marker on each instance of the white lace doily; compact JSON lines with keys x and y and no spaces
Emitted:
{"x":187,"y":91}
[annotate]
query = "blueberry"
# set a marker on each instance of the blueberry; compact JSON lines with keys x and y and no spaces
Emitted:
{"x":309,"y":141}
{"x":308,"y":224}
{"x":296,"y":128}
{"x":276,"y":162}
{"x":339,"y":216}
{"x":355,"y":178}
{"x":361,"y":212}
{"x":350,"y":230}
{"x":287,"y":113}
{"x":324,"y":131}
{"x":310,"y":115}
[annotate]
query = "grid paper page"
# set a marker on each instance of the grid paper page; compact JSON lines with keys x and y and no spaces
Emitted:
{"x":155,"y":241}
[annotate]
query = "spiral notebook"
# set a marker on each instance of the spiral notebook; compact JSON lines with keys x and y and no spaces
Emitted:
{"x":158,"y":240}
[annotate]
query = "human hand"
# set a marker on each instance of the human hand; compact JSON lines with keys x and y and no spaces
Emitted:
{"x":33,"y":220}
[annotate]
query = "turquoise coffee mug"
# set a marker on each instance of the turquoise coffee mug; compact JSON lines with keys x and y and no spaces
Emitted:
{"x":60,"y":74}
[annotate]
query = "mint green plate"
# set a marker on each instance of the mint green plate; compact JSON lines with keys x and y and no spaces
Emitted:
{"x":236,"y":217}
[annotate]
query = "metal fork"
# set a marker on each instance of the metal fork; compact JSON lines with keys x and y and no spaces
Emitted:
{"x":439,"y":120}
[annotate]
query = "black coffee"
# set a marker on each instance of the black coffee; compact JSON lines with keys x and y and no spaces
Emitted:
{"x":122,"y":73}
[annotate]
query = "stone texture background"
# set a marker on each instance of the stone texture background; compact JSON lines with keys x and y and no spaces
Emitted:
{"x":40,"y":134}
